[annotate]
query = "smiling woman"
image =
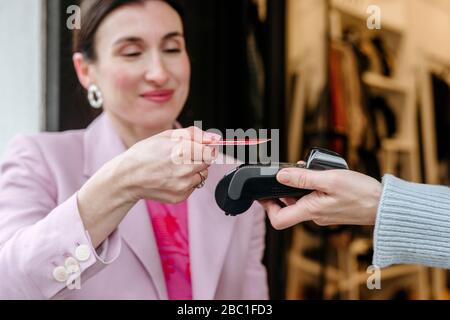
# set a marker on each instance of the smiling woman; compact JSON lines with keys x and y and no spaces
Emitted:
{"x":117,"y":60}
{"x":108,"y":204}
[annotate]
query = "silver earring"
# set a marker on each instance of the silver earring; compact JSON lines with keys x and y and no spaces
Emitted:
{"x":95,"y":97}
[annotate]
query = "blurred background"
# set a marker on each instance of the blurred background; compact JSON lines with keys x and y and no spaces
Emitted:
{"x":324,"y":72}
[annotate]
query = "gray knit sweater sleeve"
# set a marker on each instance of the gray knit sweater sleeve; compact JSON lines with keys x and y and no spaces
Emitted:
{"x":413,"y":224}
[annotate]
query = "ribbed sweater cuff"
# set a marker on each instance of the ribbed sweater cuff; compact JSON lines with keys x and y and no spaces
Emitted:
{"x":412,"y":225}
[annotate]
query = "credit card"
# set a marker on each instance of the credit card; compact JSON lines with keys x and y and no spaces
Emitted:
{"x":237,"y":142}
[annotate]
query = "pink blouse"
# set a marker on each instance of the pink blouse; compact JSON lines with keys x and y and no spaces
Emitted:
{"x":170,"y":225}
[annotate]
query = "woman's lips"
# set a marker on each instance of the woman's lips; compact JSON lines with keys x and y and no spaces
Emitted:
{"x":158,"y":96}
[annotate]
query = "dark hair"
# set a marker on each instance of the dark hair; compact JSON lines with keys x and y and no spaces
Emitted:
{"x":93,"y":12}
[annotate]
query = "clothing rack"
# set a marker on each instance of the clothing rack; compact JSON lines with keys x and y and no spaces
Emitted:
{"x":346,"y":279}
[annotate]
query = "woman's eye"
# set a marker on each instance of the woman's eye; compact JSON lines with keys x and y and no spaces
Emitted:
{"x":132,"y":54}
{"x":174,"y":50}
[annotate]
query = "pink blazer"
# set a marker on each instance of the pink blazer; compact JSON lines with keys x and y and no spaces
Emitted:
{"x":40,"y":227}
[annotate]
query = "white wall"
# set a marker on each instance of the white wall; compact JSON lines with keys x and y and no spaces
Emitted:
{"x":432,"y":34}
{"x":21,"y":68}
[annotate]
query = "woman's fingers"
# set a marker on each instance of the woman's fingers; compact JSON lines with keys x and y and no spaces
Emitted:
{"x":184,"y":186}
{"x":194,"y":181}
{"x":201,"y":136}
{"x":180,"y":160}
{"x":192,"y":134}
{"x":193,"y":153}
{"x":199,"y":179}
{"x":209,"y":154}
{"x":191,"y":146}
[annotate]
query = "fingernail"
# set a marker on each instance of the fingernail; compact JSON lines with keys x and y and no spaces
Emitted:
{"x":283,"y":177}
{"x":212,"y":136}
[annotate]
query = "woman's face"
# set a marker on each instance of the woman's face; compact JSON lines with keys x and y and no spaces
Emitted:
{"x":142,"y":67}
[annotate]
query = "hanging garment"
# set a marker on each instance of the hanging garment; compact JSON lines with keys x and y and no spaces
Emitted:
{"x":385,"y":122}
{"x":385,"y":56}
{"x":355,"y":120}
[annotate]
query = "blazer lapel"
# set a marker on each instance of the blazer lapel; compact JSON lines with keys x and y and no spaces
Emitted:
{"x":101,"y":144}
{"x":210,"y":232}
{"x":136,"y":229}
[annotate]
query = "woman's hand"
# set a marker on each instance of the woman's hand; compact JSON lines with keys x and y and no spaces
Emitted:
{"x":166,"y":167}
{"x":340,"y":197}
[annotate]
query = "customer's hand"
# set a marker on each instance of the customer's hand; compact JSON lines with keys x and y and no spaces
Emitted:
{"x":340,"y":197}
{"x":166,"y":167}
